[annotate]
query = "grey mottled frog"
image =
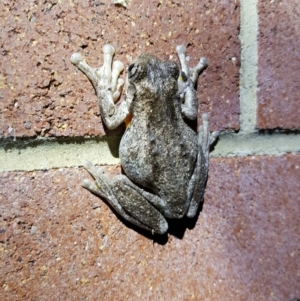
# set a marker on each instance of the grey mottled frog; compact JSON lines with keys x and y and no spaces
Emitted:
{"x":164,"y":159}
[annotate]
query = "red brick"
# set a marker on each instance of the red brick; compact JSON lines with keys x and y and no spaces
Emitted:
{"x":278,"y":67}
{"x":244,"y":246}
{"x":42,"y":94}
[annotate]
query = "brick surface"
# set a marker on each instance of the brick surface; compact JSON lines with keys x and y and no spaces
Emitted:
{"x":278,"y":68}
{"x":42,"y":94}
{"x":59,"y":242}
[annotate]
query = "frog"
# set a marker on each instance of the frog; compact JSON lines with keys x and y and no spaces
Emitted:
{"x":165,"y":161}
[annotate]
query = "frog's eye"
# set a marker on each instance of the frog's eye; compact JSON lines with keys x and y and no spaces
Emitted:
{"x":132,"y":70}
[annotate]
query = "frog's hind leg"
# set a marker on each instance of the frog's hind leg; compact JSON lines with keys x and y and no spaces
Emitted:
{"x":126,"y":199}
{"x":199,"y":177}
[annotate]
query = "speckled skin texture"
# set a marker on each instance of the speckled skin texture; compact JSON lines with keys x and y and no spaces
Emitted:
{"x":278,"y":68}
{"x":58,"y":241}
{"x":159,"y":150}
{"x":40,"y":92}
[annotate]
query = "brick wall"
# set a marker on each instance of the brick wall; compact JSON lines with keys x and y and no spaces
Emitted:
{"x":59,"y":242}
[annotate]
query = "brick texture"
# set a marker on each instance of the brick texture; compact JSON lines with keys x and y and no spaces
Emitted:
{"x":278,"y":68}
{"x":42,"y":94}
{"x":59,"y":242}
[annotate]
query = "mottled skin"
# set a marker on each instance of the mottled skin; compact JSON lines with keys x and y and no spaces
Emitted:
{"x":164,"y":159}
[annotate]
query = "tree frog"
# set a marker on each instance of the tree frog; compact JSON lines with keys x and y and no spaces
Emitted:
{"x":165,"y":161}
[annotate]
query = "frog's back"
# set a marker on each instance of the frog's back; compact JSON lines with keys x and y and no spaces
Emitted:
{"x":160,"y":158}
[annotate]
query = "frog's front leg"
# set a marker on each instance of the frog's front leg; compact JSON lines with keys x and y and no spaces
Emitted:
{"x":131,"y":202}
{"x":200,"y":173}
{"x":187,"y":82}
{"x":107,"y":85}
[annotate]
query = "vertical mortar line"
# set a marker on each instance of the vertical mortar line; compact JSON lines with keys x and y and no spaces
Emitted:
{"x":248,"y":71}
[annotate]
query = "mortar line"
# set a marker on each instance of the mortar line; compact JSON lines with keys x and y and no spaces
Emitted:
{"x":249,"y":69}
{"x":51,"y":153}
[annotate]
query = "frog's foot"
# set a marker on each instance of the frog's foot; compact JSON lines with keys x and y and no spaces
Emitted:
{"x":199,"y":177}
{"x":187,"y":82}
{"x":107,"y":84}
{"x":190,"y":73}
{"x":127,"y":199}
{"x":101,"y":185}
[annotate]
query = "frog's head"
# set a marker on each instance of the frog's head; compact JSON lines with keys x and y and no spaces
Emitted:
{"x":150,"y":79}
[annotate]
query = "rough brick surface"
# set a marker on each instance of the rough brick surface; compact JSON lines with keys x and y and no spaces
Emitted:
{"x":278,"y":68}
{"x":59,"y":242}
{"x":42,"y":94}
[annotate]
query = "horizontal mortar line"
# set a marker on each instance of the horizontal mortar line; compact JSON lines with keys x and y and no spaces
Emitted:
{"x":241,"y":145}
{"x":41,"y":154}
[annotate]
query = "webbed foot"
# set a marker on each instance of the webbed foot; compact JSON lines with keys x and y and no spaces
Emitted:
{"x":187,"y":82}
{"x":107,"y":84}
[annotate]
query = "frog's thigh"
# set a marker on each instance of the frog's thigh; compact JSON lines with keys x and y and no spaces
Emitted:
{"x":137,"y":206}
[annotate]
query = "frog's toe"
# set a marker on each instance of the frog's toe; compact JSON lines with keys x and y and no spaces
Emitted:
{"x":88,"y":165}
{"x":90,"y":185}
{"x":181,"y":49}
{"x":108,"y":49}
{"x":213,"y":137}
{"x":205,"y":117}
{"x":203,"y":61}
{"x":76,"y":58}
{"x":162,"y":227}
